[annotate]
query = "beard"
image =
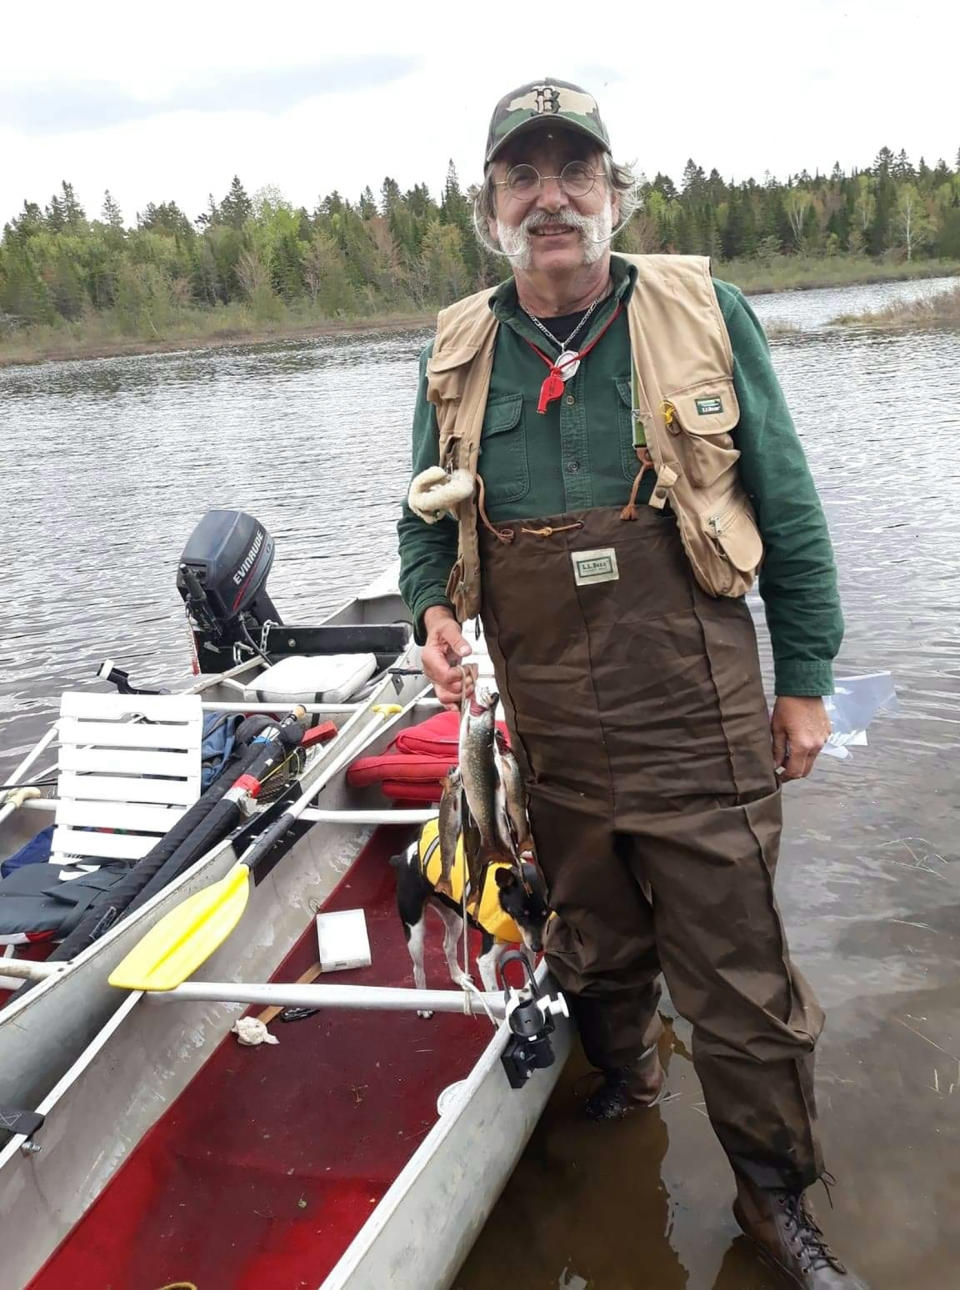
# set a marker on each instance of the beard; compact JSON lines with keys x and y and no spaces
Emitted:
{"x":516,"y":240}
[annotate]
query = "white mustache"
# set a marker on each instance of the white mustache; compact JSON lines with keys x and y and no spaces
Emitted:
{"x":515,"y":243}
{"x":563,"y":219}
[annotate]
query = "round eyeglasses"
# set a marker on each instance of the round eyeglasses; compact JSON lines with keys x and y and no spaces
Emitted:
{"x":575,"y":179}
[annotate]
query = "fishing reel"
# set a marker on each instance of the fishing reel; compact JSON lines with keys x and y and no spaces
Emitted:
{"x":530,"y":1015}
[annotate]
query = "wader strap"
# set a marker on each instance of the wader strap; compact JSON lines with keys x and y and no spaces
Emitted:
{"x":629,"y":512}
{"x":502,"y":535}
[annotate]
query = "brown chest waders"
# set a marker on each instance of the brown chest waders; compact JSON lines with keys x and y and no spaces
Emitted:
{"x":636,"y":707}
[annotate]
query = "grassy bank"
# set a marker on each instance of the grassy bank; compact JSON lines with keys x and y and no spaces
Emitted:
{"x":105,"y":334}
{"x":942,"y":310}
{"x":805,"y":273}
{"x":101,"y":335}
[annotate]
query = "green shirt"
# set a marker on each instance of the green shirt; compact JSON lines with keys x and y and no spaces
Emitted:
{"x":579,"y":454}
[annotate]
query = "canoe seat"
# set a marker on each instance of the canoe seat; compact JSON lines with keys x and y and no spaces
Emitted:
{"x":129,"y":768}
{"x":413,"y":767}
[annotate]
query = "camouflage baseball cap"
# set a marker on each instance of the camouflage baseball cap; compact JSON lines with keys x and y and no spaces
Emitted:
{"x":546,"y":102}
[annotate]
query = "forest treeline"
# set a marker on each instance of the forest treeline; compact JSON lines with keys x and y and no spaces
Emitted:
{"x":394,"y":251}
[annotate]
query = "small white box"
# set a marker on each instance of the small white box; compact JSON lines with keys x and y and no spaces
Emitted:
{"x":342,"y":940}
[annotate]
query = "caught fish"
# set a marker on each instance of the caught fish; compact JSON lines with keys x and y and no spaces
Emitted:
{"x":515,"y":798}
{"x":480,"y":784}
{"x":450,"y":824}
{"x":471,"y":860}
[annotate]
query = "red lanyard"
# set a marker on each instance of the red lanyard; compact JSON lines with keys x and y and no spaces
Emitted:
{"x":552,"y":387}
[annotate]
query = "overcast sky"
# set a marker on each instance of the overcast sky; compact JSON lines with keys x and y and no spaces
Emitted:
{"x":168,"y":102}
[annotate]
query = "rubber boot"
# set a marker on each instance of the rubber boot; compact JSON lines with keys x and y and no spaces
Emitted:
{"x":781,"y":1224}
{"x":627,"y":1088}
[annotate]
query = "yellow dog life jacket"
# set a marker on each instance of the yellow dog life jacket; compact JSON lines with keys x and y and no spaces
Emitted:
{"x":488,"y":912}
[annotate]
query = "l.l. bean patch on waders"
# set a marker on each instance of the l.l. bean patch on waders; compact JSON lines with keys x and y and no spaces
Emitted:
{"x":595,"y":566}
{"x":709,"y":406}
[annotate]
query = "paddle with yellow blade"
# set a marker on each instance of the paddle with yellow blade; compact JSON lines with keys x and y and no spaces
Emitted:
{"x":186,"y":937}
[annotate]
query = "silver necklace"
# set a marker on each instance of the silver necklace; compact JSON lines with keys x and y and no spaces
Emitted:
{"x":566,"y":362}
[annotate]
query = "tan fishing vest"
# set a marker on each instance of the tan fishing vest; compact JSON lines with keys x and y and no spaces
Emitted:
{"x":683,"y":395}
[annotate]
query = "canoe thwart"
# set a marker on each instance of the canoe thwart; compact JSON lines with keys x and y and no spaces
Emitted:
{"x":364,"y":997}
{"x":317,"y":815}
{"x":363,"y":638}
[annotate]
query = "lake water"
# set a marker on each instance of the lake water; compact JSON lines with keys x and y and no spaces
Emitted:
{"x":109,"y":464}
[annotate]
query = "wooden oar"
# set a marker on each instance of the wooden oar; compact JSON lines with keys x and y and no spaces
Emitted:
{"x":186,"y":937}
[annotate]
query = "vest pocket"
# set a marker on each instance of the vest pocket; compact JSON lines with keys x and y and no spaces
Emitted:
{"x":447,"y":372}
{"x":703,"y":417}
{"x":628,"y":456}
{"x":503,"y":459}
{"x":734,"y":548}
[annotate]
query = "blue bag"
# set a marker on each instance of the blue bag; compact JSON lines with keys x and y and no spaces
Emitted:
{"x":36,"y":851}
{"x":219,"y":736}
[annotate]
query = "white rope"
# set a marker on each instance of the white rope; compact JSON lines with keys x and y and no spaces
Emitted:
{"x":469,"y":989}
{"x":465,"y":949}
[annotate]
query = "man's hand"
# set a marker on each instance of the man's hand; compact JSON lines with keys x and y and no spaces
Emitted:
{"x":441,"y":653}
{"x":799,"y":728}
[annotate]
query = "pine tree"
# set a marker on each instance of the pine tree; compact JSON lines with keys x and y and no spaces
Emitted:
{"x":25,"y":225}
{"x":902,"y":168}
{"x":732,"y":238}
{"x":64,"y":211}
{"x":389,"y":196}
{"x":236,"y":208}
{"x":693,"y":179}
{"x":111,"y":214}
{"x":23,"y":293}
{"x":167,"y":217}
{"x":664,"y":184}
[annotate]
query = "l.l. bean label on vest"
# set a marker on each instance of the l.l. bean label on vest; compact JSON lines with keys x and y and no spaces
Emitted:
{"x":595,"y":566}
{"x":708,"y":407}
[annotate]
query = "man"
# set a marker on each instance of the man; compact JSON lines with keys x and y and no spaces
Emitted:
{"x":613,"y":440}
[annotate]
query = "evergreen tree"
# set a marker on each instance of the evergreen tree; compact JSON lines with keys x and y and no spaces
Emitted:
{"x":111,"y":214}
{"x":26,"y":225}
{"x":664,"y":184}
{"x":389,"y":196}
{"x":885,"y":198}
{"x":236,"y":208}
{"x":902,"y":169}
{"x":70,"y":210}
{"x":166,"y":217}
{"x":23,"y":293}
{"x":693,"y":181}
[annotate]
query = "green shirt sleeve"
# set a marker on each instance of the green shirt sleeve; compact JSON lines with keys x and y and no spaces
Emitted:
{"x":798,"y":580}
{"x":427,"y":551}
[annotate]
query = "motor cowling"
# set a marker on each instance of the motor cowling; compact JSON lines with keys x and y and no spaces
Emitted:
{"x":222,"y":577}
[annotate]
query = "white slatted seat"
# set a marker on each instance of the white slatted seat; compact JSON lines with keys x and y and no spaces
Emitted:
{"x":127,"y":762}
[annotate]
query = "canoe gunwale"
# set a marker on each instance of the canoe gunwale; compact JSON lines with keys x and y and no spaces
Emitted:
{"x":353,"y":1270}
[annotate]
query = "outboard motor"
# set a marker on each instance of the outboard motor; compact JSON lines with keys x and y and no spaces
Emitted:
{"x":222,"y":577}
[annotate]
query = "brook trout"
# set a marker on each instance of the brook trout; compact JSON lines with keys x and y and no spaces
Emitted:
{"x":480,"y":782}
{"x":515,"y":797}
{"x":450,"y":824}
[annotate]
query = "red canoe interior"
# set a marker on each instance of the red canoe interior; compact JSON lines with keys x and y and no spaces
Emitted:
{"x":266,"y":1167}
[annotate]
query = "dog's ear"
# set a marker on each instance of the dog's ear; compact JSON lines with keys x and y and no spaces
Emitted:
{"x":506,"y":878}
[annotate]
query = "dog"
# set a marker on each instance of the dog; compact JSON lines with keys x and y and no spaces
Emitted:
{"x":512,"y":909}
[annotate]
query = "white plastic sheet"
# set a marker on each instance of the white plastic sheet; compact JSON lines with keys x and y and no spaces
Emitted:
{"x":855,"y":702}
